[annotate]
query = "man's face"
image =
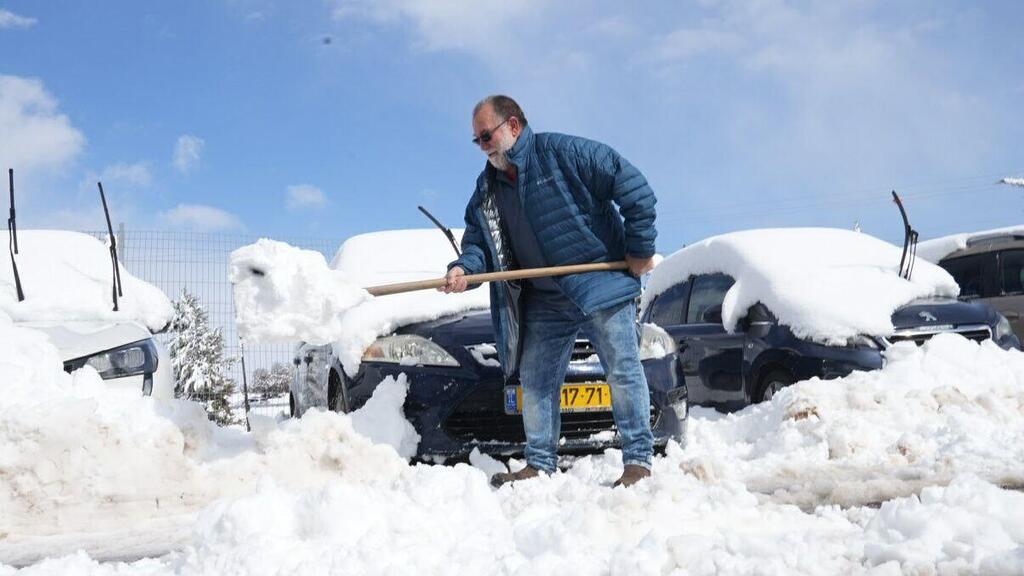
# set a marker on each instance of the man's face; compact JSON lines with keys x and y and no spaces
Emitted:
{"x":502,"y":139}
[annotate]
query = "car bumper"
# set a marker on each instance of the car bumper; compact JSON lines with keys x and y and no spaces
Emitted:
{"x":455,"y":414}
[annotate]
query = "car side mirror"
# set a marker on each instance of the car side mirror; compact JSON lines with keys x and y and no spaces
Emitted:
{"x":712,"y":315}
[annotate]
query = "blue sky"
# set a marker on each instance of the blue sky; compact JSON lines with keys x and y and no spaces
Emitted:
{"x":331,"y":118}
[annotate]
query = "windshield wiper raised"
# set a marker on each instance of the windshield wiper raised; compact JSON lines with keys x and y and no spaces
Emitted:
{"x":909,"y":241}
{"x":116,"y":289}
{"x":447,"y":231}
{"x":12,"y":238}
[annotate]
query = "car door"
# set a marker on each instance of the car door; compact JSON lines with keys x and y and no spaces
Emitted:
{"x":712,"y":358}
{"x":1010,"y":300}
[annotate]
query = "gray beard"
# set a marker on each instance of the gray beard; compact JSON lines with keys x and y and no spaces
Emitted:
{"x":500,"y":160}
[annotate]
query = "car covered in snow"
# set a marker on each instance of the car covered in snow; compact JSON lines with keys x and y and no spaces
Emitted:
{"x":751,"y":312}
{"x":457,"y":396}
{"x":68,"y":286}
{"x":989,"y":267}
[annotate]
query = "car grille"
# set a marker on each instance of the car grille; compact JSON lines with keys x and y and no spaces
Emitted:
{"x":582,"y":351}
{"x":481,"y":416}
{"x":921,"y":334}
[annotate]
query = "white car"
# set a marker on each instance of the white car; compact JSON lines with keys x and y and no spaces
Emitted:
{"x":67,"y":281}
{"x":125,"y":354}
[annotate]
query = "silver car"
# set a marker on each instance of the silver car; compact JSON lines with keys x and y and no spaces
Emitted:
{"x":990,"y":269}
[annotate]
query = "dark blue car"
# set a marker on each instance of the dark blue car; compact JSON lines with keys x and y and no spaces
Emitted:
{"x":458,"y":399}
{"x":731,"y":370}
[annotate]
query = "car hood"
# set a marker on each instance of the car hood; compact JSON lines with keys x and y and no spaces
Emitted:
{"x":85,"y":338}
{"x":463,"y":329}
{"x":941,"y":312}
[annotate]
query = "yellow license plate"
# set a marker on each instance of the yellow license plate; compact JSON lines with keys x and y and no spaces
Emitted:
{"x":574,"y":397}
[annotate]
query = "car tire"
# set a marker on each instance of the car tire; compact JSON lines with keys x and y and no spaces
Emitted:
{"x":772,"y":382}
{"x":337,"y":400}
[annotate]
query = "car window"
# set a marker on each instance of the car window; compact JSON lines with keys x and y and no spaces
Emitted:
{"x":670,"y":307}
{"x":1012,"y":264}
{"x":967,"y":273}
{"x":708,"y":291}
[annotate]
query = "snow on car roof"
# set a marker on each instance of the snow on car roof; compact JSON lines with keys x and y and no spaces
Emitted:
{"x":397,"y":256}
{"x":826,"y":284}
{"x":69,"y":276}
{"x":936,"y":249}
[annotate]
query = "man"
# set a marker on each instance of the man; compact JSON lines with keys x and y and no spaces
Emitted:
{"x":547,"y":200}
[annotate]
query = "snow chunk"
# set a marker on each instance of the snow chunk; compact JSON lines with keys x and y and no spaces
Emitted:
{"x":827,"y":285}
{"x":67,"y":276}
{"x":286,"y":293}
{"x":382,"y":421}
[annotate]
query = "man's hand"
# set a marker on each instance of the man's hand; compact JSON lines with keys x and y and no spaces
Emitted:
{"x":456,"y":281}
{"x":639,"y":266}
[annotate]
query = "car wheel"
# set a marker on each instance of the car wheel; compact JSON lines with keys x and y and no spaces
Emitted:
{"x":773,"y":382}
{"x":336,"y":397}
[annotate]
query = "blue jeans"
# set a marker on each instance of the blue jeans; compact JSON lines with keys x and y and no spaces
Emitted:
{"x":548,"y":337}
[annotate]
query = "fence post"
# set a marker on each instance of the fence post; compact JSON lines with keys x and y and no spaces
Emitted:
{"x":120,"y":241}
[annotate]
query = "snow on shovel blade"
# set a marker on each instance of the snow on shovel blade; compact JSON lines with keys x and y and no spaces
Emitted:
{"x":283,"y":293}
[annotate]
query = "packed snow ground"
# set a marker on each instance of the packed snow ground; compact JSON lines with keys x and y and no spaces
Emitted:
{"x":785,"y":487}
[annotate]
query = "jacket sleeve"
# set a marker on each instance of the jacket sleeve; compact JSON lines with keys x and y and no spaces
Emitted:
{"x":473,"y":260}
{"x":609,"y":176}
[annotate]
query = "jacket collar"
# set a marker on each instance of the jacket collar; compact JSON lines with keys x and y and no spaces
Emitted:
{"x":518,"y":155}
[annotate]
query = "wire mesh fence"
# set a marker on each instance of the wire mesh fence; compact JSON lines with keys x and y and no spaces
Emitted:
{"x":198,"y":262}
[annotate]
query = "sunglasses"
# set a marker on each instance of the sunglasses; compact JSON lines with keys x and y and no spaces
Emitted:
{"x":487,"y":135}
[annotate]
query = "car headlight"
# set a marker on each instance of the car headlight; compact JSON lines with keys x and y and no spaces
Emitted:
{"x":1003,"y":328}
{"x":862,"y":341}
{"x":129,"y":360}
{"x":408,"y":350}
{"x":655,"y":342}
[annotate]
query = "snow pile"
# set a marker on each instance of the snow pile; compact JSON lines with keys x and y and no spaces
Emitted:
{"x":936,"y":249}
{"x":382,"y":421}
{"x":825,"y":284}
{"x":78,"y":457}
{"x":295,"y":296}
{"x":69,"y":276}
{"x":950,"y":407}
{"x":312,"y":496}
{"x":286,"y":293}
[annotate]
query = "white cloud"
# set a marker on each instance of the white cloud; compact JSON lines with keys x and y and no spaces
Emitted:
{"x":35,"y":136}
{"x":487,"y":28}
{"x":121,"y":175}
{"x":689,"y":42}
{"x":305,"y":196}
{"x":9,"y":19}
{"x":201,"y":218}
{"x":187,"y":152}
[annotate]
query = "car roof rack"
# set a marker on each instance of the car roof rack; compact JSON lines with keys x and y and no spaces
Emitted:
{"x":995,"y":237}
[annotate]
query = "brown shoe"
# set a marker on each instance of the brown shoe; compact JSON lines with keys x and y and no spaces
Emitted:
{"x":505,"y":477}
{"x":631,"y":475}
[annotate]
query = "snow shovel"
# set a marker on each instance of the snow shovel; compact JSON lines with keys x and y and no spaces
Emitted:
{"x":522,"y":274}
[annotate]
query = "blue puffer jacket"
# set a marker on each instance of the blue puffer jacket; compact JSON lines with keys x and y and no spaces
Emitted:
{"x":567,"y":185}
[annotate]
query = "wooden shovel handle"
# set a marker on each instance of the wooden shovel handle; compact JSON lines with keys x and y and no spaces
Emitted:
{"x":400,"y":287}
